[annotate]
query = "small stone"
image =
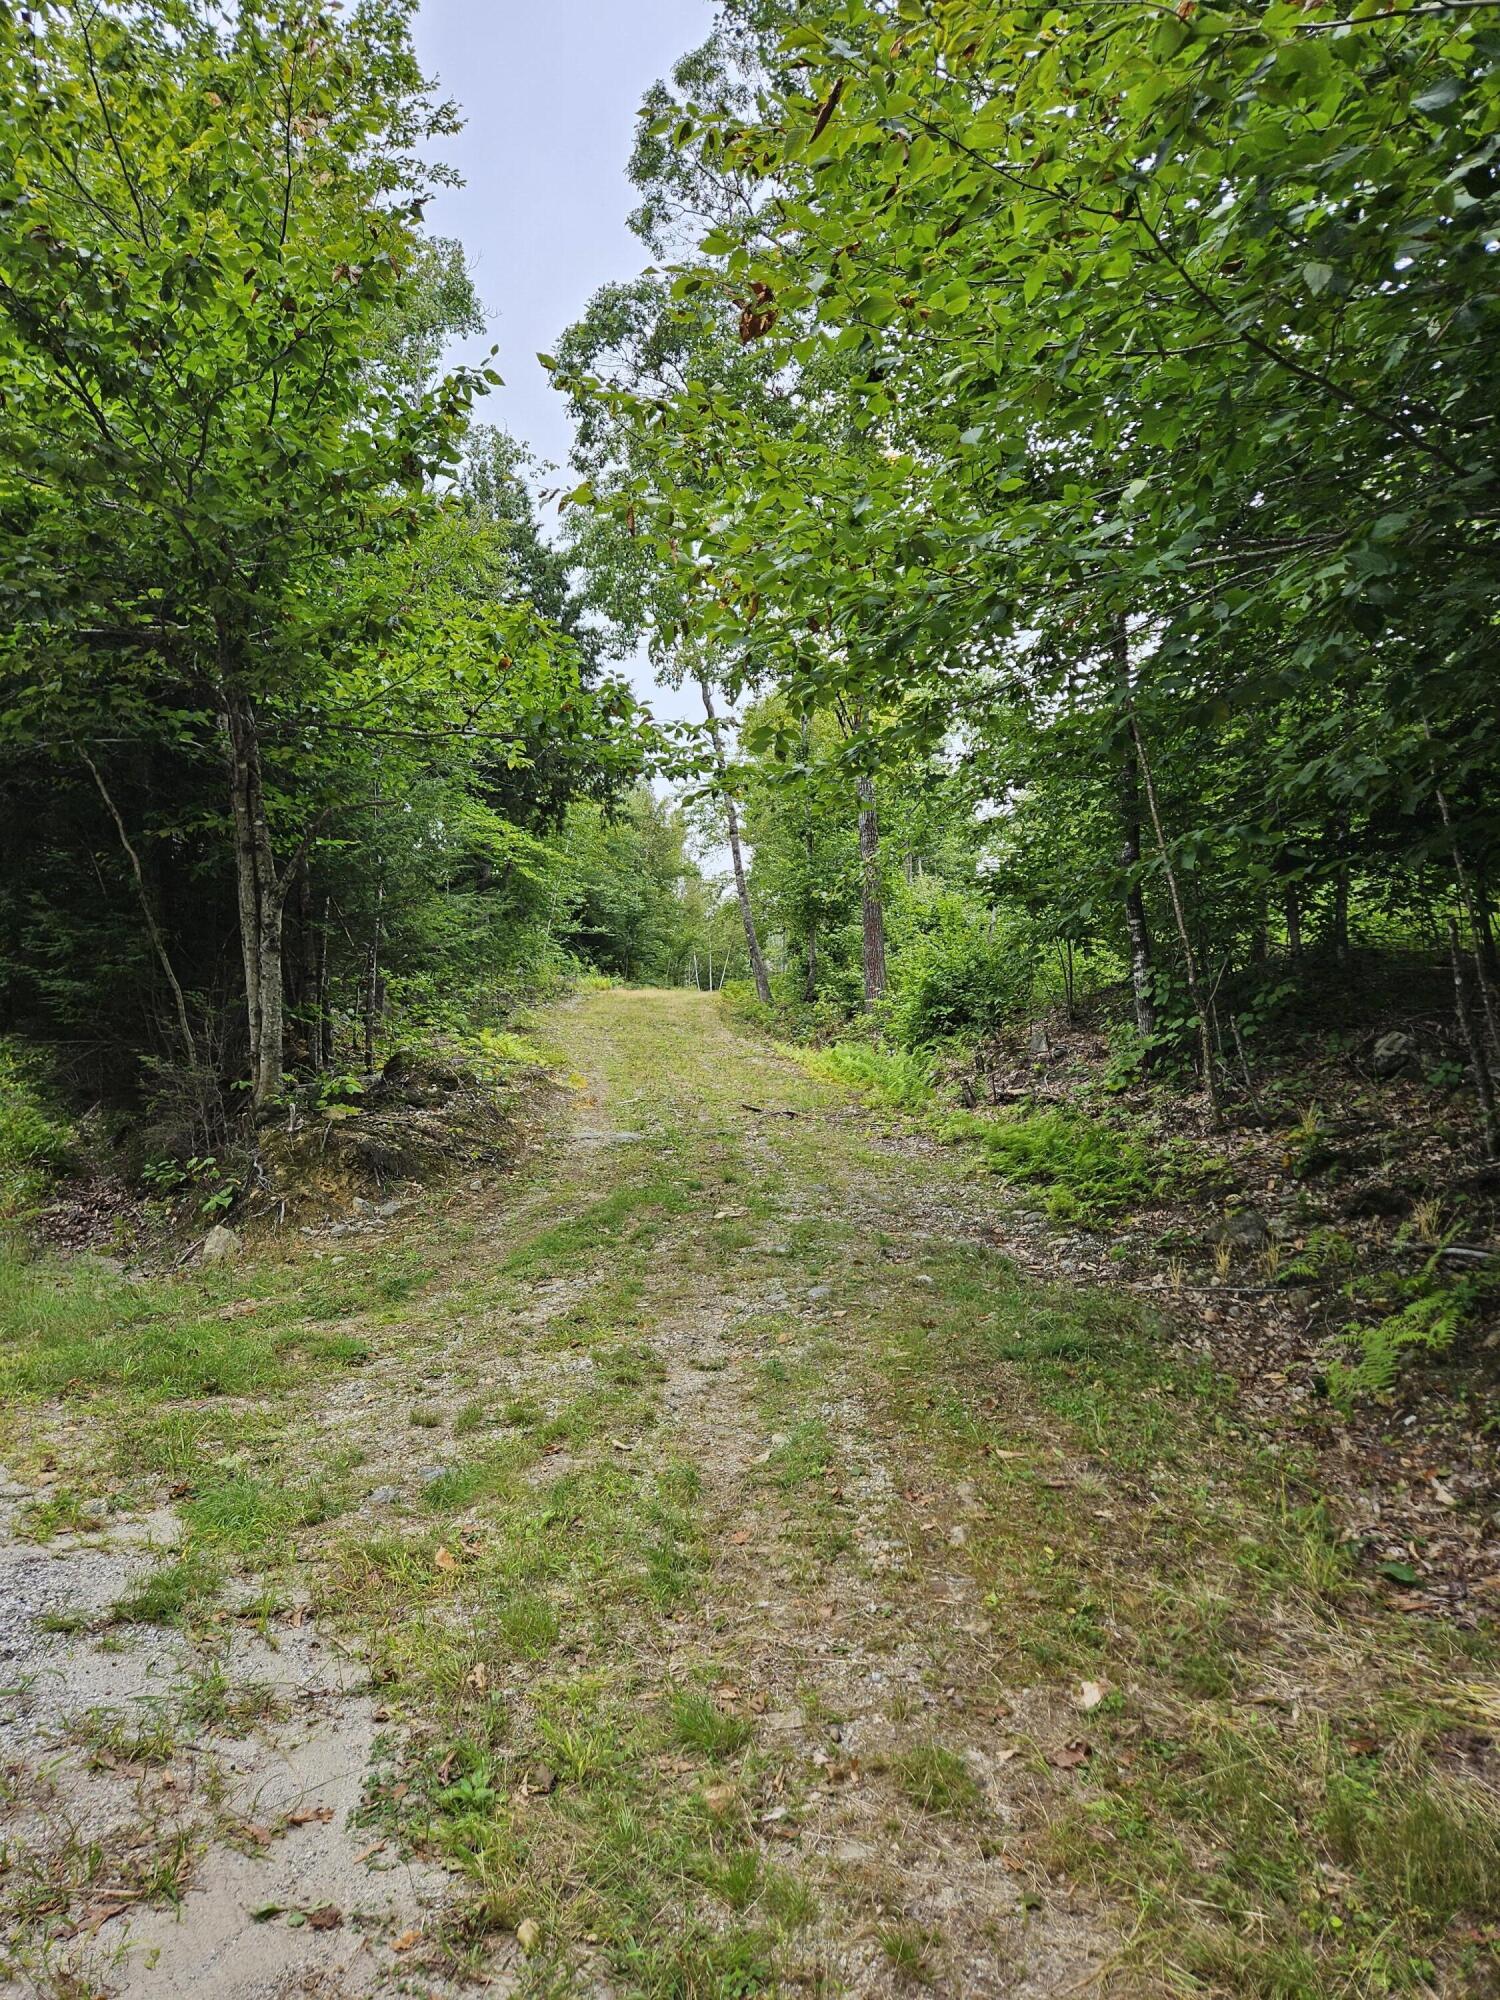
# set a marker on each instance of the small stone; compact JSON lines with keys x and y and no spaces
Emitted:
{"x":384,"y":1496}
{"x":1246,"y":1229}
{"x":221,"y":1245}
{"x":1392,"y":1054}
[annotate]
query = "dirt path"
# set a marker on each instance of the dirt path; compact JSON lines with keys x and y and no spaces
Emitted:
{"x":699,"y":1566}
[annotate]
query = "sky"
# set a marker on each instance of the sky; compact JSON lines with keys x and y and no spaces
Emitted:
{"x":550,"y":89}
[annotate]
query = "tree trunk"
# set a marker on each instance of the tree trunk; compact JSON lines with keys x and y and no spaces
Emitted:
{"x":1484,"y":1087}
{"x":741,"y":888}
{"x":1189,"y":956}
{"x":1466,"y":898}
{"x":153,"y":928}
{"x":1142,"y":985}
{"x":810,"y":942}
{"x":261,"y":902}
{"x":872,"y":909}
{"x":372,"y":979}
{"x":1292,"y":903}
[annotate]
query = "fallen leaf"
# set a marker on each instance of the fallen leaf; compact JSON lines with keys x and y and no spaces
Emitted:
{"x":718,"y":1798}
{"x":1071,"y":1755}
{"x":261,"y":1835}
{"x":1362,"y":1746}
{"x":406,"y":1940}
{"x":478,"y":1677}
{"x":445,"y":1560}
{"x":740,"y":1537}
{"x":374,"y":1848}
{"x":306,"y":1815}
{"x":1090,"y":1695}
{"x":327,"y":1917}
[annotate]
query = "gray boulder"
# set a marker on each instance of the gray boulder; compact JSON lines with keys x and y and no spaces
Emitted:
{"x":221,"y":1245}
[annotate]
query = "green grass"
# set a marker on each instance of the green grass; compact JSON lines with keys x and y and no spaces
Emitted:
{"x":71,"y":1330}
{"x":937,"y":1780}
{"x":170,"y":1594}
{"x":246,"y":1517}
{"x":700,"y":1725}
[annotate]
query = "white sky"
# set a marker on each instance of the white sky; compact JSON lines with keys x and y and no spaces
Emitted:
{"x":550,"y":89}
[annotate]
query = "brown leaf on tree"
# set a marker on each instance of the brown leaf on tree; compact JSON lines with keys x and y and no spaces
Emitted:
{"x":758,"y":315}
{"x":829,"y":106}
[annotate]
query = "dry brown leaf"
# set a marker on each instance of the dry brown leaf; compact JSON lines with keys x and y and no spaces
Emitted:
{"x":1071,"y":1755}
{"x":445,"y":1560}
{"x":1090,"y":1695}
{"x":406,"y":1940}
{"x":305,"y":1815}
{"x":327,"y":1917}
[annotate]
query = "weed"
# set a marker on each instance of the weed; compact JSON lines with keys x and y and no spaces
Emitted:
{"x":700,"y":1725}
{"x":63,"y":1513}
{"x":1089,"y":1170}
{"x":938,"y":1780}
{"x":212,"y":1699}
{"x":169,"y":1594}
{"x":894,"y":1077}
{"x":909,"y":1949}
{"x":528,"y":1625}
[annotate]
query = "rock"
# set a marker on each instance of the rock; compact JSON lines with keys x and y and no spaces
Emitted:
{"x":1392,"y":1054}
{"x":384,"y":1210}
{"x":1039,"y":1046}
{"x":430,"y":1474}
{"x":384,"y":1496}
{"x":1246,"y":1229}
{"x":221,"y":1245}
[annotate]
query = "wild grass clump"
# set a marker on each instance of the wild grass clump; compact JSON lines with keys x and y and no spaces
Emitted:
{"x":895,"y":1077}
{"x":1088,"y":1169}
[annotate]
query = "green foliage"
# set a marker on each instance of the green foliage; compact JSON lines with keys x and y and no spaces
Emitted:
{"x":34,"y":1144}
{"x":1433,"y":1314}
{"x":891,"y":1076}
{"x":959,"y":976}
{"x":1089,"y":1169}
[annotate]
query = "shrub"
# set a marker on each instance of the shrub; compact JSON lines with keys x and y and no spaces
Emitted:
{"x":33,"y":1146}
{"x":891,"y":1076}
{"x":955,"y":976}
{"x":1089,"y":1169}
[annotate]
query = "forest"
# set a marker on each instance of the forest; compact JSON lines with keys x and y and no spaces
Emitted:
{"x":1006,"y":680}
